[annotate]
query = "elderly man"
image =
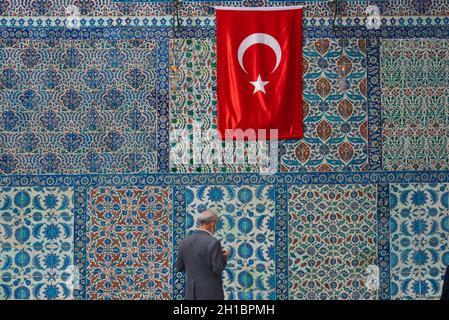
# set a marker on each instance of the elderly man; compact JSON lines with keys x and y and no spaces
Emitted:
{"x":203,"y":259}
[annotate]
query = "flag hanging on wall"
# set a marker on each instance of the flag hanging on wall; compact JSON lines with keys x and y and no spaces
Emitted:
{"x":259,"y":78}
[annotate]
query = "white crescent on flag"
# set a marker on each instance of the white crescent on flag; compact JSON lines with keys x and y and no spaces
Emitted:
{"x":262,"y":38}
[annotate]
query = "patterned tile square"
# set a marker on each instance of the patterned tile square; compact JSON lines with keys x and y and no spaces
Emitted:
{"x":36,"y":243}
{"x":419,"y":228}
{"x":78,"y":106}
{"x":415,"y":109}
{"x":129,"y":242}
{"x":334,"y":108}
{"x":332,"y":240}
{"x":246,"y":227}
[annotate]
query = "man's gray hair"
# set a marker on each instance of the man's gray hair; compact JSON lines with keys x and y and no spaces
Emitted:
{"x":206,"y":217}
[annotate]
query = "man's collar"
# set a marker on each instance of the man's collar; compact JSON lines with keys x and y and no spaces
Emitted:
{"x":205,"y":231}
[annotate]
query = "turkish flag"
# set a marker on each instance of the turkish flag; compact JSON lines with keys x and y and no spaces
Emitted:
{"x":259,"y":79}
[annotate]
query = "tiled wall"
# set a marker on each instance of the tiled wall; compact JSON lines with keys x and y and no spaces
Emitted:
{"x":91,"y":207}
{"x":419,"y":233}
{"x":332,"y":241}
{"x":37,"y":241}
{"x":79,"y":106}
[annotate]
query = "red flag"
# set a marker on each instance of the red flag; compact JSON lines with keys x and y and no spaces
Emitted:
{"x":259,"y":79}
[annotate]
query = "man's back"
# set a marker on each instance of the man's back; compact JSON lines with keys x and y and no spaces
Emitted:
{"x":445,"y":291}
{"x":200,"y":255}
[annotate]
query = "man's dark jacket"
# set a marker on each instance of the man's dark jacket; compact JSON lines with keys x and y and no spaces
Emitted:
{"x":200,"y":256}
{"x":445,"y":293}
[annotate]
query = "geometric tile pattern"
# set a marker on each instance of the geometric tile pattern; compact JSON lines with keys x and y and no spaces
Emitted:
{"x":129,"y":251}
{"x":419,"y":227}
{"x":332,"y":241}
{"x":78,"y":106}
{"x":246,"y":227}
{"x":335,"y":109}
{"x":415,"y":109}
{"x":36,"y":243}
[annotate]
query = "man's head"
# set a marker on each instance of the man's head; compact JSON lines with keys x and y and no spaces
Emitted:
{"x":208,"y":220}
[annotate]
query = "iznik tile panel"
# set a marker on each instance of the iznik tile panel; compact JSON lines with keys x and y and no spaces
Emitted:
{"x":419,"y":239}
{"x":334,"y":109}
{"x":36,"y":243}
{"x":246,"y":227}
{"x":193,"y":104}
{"x":415,"y":107}
{"x":332,"y":241}
{"x":78,"y":106}
{"x":129,"y":248}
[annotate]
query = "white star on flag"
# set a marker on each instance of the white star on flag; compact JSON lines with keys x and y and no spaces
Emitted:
{"x":259,"y":85}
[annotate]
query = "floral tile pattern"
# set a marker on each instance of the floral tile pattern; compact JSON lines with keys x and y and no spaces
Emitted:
{"x":332,"y":241}
{"x":415,"y":110}
{"x":36,"y":243}
{"x":419,"y":239}
{"x":193,"y":100}
{"x":129,"y":251}
{"x":78,"y":106}
{"x":334,"y":108}
{"x":246,"y":227}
